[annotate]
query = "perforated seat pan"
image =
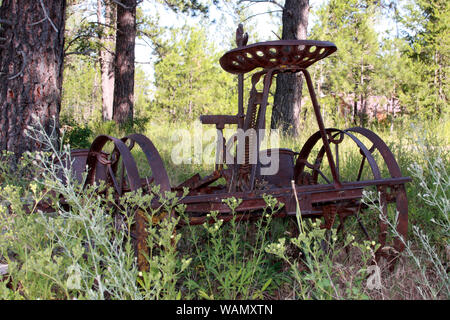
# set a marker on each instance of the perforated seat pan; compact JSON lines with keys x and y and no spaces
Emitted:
{"x":282,"y":53}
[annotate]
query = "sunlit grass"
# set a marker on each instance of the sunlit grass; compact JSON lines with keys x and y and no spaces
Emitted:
{"x":238,"y":260}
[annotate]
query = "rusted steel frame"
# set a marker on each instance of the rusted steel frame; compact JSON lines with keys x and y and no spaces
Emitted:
{"x":190,"y":183}
{"x":330,"y":194}
{"x":219,"y":120}
{"x":382,"y":235}
{"x":364,"y":151}
{"x":128,"y":161}
{"x":261,"y":122}
{"x":259,"y":204}
{"x":261,"y":116}
{"x":402,"y":209}
{"x":329,"y":215}
{"x":159,"y":173}
{"x":394,"y":171}
{"x":240,"y":169}
{"x":207,"y":180}
{"x":272,"y":54}
{"x":223,"y":152}
{"x":217,"y":197}
{"x":77,"y":164}
{"x":337,"y":195}
{"x":306,"y":200}
{"x":253,"y":100}
{"x":336,"y":151}
{"x":241,"y":40}
{"x":159,"y":177}
{"x":384,"y":150}
{"x":316,"y":107}
{"x":311,"y":142}
{"x":134,"y":183}
{"x":256,"y":203}
{"x":240,"y":113}
{"x":265,"y":97}
{"x":220,"y":154}
{"x":254,"y":200}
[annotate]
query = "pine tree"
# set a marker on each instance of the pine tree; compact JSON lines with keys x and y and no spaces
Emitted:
{"x":31,"y":65}
{"x":351,"y":70}
{"x":106,"y":16}
{"x":124,"y":62}
{"x":426,"y":27}
{"x":288,"y":94}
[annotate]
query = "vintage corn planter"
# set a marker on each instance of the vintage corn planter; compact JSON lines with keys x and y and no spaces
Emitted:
{"x":312,"y":178}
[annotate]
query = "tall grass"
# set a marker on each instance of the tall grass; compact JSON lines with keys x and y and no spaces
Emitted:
{"x":84,"y":250}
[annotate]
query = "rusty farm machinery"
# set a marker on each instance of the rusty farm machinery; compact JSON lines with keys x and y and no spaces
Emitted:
{"x":312,"y":178}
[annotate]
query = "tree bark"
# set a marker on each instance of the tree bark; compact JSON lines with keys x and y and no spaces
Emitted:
{"x":124,"y":62}
{"x":363,"y":104}
{"x":31,"y":69}
{"x":106,"y":53}
{"x":355,"y":110}
{"x":288,"y":93}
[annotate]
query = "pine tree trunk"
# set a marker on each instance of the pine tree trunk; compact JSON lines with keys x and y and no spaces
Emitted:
{"x":362,"y":115}
{"x":108,"y":41}
{"x":288,"y":93}
{"x":124,"y":62}
{"x":355,"y":110}
{"x":31,"y":68}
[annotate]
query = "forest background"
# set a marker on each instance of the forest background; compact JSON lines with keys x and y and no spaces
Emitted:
{"x":389,"y":74}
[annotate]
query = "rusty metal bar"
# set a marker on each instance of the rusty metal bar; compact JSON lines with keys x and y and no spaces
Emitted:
{"x":316,"y":107}
{"x":261,"y":122}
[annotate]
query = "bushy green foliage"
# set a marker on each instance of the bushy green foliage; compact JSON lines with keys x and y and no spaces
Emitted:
{"x":81,"y":100}
{"x":78,"y":137}
{"x":425,"y":28}
{"x":351,"y":73}
{"x":81,"y":97}
{"x":229,"y":258}
{"x":408,"y":63}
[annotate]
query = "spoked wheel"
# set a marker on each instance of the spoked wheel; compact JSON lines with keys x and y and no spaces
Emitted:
{"x":129,"y":179}
{"x":123,"y":176}
{"x":359,"y":155}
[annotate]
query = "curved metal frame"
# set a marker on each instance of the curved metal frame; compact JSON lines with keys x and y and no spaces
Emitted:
{"x":127,"y":158}
{"x":391,"y":164}
{"x":159,"y":173}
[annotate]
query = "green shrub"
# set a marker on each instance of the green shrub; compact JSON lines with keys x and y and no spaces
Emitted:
{"x":79,"y":137}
